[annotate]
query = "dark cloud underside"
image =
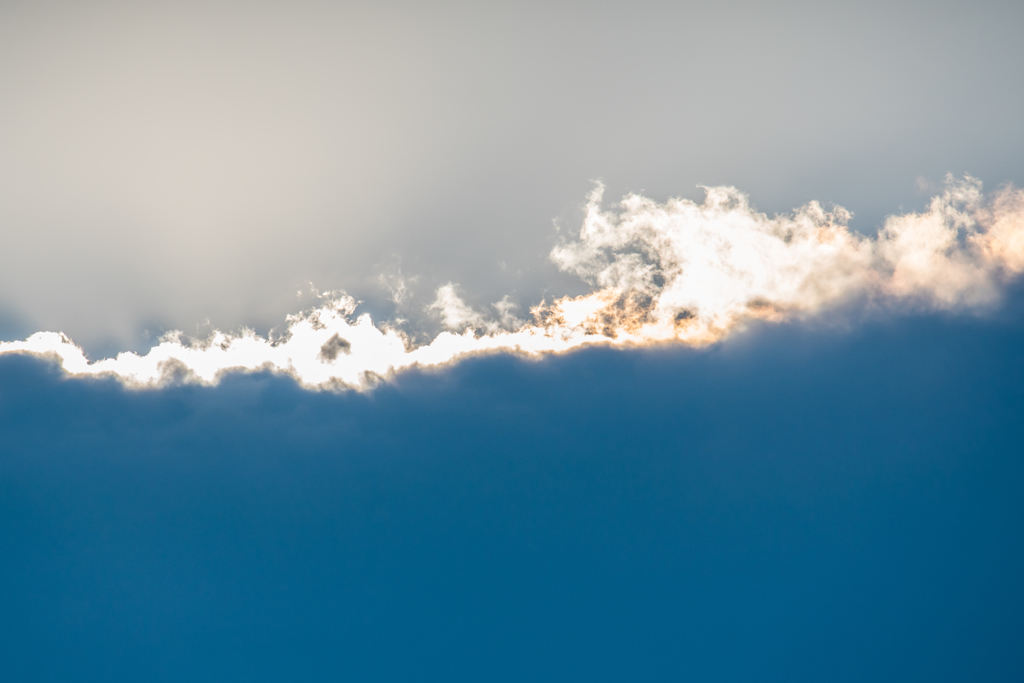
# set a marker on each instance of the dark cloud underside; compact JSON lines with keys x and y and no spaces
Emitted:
{"x":816,"y":506}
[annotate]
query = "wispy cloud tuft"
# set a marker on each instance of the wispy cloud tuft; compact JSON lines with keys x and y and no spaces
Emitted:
{"x":456,"y":314}
{"x":678,"y":272}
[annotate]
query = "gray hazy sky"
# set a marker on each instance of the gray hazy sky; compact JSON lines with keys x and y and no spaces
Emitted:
{"x":165,"y":165}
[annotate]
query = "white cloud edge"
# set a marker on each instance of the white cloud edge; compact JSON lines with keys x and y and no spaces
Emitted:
{"x":674,"y":272}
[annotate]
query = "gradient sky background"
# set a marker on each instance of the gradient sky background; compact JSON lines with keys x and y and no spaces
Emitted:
{"x":173,"y":163}
{"x":834,"y":500}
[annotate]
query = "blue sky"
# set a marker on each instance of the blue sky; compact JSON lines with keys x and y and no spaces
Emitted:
{"x":600,"y":342}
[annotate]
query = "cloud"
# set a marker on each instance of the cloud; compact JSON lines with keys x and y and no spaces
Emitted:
{"x":334,"y":346}
{"x":677,"y":272}
{"x":689,"y":271}
{"x":397,"y":286}
{"x":456,"y":314}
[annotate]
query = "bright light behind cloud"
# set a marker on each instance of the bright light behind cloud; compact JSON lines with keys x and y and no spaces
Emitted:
{"x":678,"y":272}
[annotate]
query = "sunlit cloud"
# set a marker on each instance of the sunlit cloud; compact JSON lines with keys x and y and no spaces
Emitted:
{"x":676,"y":272}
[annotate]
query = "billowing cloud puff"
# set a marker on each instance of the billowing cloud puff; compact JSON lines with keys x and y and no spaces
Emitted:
{"x":692,"y":272}
{"x":678,"y":272}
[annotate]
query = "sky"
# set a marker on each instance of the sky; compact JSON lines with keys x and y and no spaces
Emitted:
{"x":549,"y":341}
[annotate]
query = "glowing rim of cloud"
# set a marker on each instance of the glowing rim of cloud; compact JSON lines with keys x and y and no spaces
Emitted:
{"x":676,"y":272}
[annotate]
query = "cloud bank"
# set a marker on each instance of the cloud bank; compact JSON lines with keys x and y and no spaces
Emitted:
{"x":678,"y":272}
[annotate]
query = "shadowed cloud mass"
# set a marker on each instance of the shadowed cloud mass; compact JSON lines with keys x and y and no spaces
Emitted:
{"x":806,"y":505}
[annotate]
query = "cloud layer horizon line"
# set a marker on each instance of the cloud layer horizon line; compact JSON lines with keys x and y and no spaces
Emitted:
{"x":676,"y":272}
